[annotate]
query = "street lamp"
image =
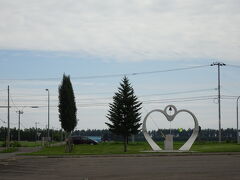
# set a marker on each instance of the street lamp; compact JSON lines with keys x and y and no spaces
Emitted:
{"x":238,"y":133}
{"x":48,"y":115}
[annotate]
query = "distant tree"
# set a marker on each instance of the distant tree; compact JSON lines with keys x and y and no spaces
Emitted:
{"x":124,"y":112}
{"x":67,"y":106}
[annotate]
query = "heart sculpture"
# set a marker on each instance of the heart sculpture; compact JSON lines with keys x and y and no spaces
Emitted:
{"x":187,"y":144}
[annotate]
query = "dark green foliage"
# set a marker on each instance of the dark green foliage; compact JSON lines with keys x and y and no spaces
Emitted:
{"x":67,"y":106}
{"x":58,"y":135}
{"x":124,"y":112}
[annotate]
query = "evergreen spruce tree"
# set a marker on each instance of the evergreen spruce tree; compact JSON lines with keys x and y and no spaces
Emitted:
{"x":67,"y":106}
{"x":124,"y":112}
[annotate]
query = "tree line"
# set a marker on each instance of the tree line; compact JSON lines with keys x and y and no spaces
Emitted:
{"x":33,"y":134}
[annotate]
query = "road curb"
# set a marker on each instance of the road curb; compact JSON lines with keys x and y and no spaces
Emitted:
{"x":136,"y":155}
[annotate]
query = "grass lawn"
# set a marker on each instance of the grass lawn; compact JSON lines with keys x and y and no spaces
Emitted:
{"x":133,"y":148}
{"x":9,"y":150}
{"x":216,"y":147}
{"x":24,"y":143}
{"x":30,"y":143}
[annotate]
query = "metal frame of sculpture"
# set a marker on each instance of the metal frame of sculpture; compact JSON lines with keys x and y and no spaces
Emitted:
{"x":170,"y":118}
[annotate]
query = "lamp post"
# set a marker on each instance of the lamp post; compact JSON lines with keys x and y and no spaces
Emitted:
{"x":238,"y":138}
{"x":48,"y":115}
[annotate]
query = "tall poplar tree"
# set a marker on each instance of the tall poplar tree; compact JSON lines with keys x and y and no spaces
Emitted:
{"x":124,"y":112}
{"x":67,"y":106}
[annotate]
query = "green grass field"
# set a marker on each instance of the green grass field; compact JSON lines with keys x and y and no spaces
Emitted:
{"x":9,"y":150}
{"x":24,"y":143}
{"x":30,"y":144}
{"x":133,"y":148}
{"x":216,"y":147}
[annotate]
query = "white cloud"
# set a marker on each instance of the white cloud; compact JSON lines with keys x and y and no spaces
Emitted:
{"x":121,"y":29}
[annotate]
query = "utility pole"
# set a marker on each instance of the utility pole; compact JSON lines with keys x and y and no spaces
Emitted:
{"x":19,"y":114}
{"x":219,"y":98}
{"x":8,"y":131}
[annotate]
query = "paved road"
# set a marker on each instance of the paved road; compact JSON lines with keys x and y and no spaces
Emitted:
{"x":119,"y":168}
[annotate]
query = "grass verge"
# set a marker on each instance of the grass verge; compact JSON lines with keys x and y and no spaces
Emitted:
{"x":133,"y":148}
{"x":9,"y":150}
{"x":24,"y":143}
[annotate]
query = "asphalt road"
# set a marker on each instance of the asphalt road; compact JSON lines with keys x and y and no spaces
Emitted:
{"x":119,"y":168}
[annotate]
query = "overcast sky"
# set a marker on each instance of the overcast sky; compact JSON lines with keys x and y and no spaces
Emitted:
{"x":124,"y":29}
{"x":42,"y":39}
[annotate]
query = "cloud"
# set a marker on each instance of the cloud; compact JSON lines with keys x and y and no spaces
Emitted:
{"x":124,"y":30}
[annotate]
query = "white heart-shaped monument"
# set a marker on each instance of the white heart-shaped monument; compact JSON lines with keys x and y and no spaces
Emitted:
{"x":187,"y":144}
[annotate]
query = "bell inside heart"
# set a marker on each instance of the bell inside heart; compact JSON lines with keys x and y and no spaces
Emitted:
{"x":170,"y":111}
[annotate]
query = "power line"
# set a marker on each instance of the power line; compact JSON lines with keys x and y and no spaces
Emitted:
{"x":160,"y":94}
{"x":141,"y":96}
{"x":168,"y":100}
{"x":14,"y":105}
{"x":111,"y":75}
{"x":3,"y":121}
{"x":235,"y":66}
{"x":194,"y":98}
{"x":94,"y":93}
{"x":169,"y":70}
{"x":183,"y":98}
{"x":229,"y":97}
{"x":172,"y":101}
{"x":179,"y":92}
{"x":148,"y":102}
{"x":145,"y":102}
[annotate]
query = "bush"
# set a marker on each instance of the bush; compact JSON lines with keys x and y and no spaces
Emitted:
{"x":4,"y":144}
{"x":15,"y":144}
{"x":12,"y":144}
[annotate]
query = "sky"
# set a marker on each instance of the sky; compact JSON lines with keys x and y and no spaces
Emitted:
{"x":98,"y":42}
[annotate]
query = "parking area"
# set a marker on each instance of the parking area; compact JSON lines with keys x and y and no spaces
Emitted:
{"x":125,"y":167}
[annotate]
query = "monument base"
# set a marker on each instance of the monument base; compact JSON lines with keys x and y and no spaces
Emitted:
{"x":167,"y":151}
{"x":168,"y":143}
